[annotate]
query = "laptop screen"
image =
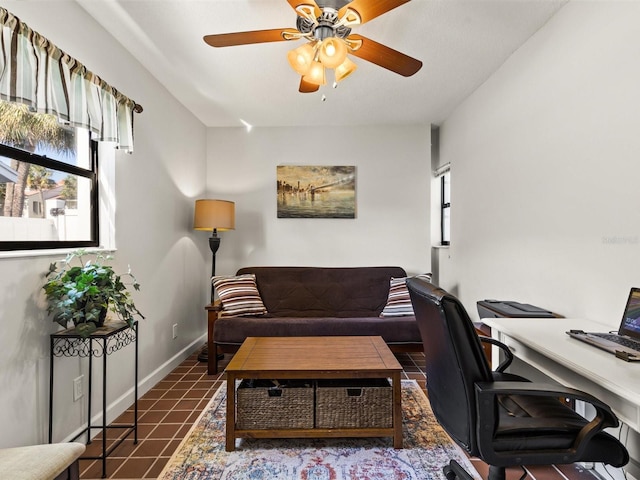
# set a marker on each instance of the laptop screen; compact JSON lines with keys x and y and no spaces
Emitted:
{"x":631,"y":320}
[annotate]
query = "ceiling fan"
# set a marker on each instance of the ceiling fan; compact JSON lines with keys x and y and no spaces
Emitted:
{"x":326,"y":27}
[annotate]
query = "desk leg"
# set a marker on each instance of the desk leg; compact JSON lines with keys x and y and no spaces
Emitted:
{"x":231,"y":413}
{"x":397,"y":410}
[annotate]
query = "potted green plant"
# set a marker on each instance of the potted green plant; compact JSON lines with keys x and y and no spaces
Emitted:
{"x":83,"y":291}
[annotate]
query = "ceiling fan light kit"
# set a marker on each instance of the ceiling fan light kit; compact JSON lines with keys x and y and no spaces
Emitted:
{"x":311,"y":59}
{"x":326,"y":26}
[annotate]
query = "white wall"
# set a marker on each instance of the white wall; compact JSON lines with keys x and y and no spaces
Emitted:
{"x":545,"y":165}
{"x":155,"y":188}
{"x":545,"y":204}
{"x":392,"y":194}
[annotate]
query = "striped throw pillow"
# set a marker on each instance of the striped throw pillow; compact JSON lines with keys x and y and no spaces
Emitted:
{"x":239,"y":295}
{"x":399,"y":302}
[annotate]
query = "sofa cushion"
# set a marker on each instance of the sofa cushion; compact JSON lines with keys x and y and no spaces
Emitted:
{"x":398,"y":330}
{"x":238,"y":295}
{"x":342,"y":292}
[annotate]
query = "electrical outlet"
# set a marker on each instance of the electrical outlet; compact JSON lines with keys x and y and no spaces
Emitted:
{"x":77,"y":388}
{"x":175,"y":330}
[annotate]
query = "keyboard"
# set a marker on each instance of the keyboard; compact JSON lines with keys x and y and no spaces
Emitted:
{"x":624,"y":341}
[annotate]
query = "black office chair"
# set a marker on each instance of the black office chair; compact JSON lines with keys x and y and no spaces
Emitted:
{"x":503,"y":419}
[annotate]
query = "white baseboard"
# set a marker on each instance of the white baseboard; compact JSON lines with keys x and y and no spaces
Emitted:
{"x":120,"y":405}
{"x":632,"y":471}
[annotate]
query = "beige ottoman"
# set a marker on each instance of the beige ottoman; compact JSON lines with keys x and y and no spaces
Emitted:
{"x":56,"y":461}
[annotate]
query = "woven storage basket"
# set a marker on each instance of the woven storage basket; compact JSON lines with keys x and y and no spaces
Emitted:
{"x":267,"y":404}
{"x":363,"y":403}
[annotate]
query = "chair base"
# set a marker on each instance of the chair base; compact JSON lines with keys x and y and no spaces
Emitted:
{"x":454,"y":471}
{"x":497,"y":473}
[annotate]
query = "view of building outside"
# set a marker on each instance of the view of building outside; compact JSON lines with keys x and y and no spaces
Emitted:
{"x":38,"y":203}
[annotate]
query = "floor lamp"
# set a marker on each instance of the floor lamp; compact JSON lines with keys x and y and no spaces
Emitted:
{"x":213,"y":216}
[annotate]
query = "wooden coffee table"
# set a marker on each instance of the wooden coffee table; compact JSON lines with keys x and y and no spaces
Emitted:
{"x":313,"y":358}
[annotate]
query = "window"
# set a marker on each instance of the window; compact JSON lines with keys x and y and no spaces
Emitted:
{"x":445,"y":208}
{"x":48,"y":182}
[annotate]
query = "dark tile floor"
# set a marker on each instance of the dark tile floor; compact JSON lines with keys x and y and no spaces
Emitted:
{"x":167,"y":411}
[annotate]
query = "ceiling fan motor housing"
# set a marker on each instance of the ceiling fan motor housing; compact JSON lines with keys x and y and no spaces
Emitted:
{"x":324,"y":26}
{"x":304,"y":25}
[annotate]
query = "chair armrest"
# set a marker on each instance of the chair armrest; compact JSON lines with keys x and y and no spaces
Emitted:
{"x":492,"y":389}
{"x":488,"y":421}
{"x":508,"y":354}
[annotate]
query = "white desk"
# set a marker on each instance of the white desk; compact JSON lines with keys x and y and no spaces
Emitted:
{"x":543,"y":343}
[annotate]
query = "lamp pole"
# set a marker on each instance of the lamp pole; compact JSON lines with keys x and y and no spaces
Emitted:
{"x":214,"y":245}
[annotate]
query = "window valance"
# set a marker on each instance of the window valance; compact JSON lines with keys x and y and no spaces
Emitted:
{"x":35,"y":72}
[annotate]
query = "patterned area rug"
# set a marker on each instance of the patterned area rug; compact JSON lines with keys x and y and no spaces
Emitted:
{"x":427,"y":448}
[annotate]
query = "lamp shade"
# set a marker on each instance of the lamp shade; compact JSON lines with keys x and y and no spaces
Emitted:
{"x":214,"y":215}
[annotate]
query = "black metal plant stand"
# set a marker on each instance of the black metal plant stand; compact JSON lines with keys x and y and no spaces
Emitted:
{"x":101,"y":343}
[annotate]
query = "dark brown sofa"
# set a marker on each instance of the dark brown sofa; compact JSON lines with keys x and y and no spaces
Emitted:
{"x":316,"y":301}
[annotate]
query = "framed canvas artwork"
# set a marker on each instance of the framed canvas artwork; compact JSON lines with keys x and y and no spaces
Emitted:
{"x":316,"y":191}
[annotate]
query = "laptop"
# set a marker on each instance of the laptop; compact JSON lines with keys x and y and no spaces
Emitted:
{"x":626,"y":343}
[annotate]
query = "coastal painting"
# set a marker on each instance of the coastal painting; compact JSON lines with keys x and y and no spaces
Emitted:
{"x":316,"y":191}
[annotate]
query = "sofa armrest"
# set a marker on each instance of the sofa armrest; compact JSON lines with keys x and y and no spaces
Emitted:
{"x":214,"y":306}
{"x":213,"y":310}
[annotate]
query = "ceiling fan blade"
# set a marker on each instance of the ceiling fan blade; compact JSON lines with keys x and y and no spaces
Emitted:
{"x":245,"y":38}
{"x":384,"y":56}
{"x":307,"y":87}
{"x":370,"y":9}
{"x":296,"y":3}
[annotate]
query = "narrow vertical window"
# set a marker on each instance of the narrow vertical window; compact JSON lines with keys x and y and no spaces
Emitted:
{"x":445,"y":208}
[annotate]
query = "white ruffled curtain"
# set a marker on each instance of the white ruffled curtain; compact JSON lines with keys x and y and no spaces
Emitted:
{"x":35,"y":72}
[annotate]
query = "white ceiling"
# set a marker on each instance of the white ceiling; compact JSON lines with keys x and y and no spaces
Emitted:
{"x":460,"y":42}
